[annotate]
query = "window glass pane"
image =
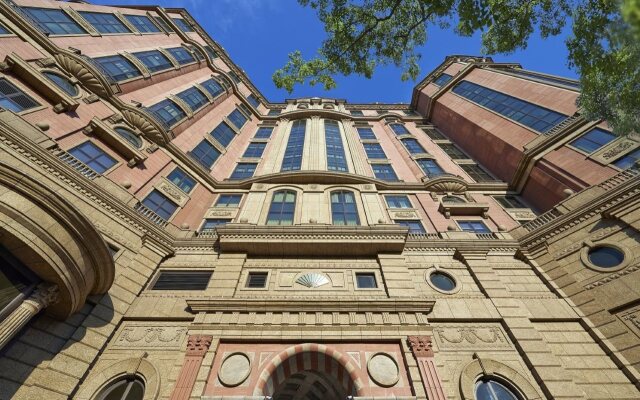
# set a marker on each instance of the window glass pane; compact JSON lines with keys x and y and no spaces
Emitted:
{"x":399,"y":129}
{"x":473,"y":226}
{"x":63,"y":83}
{"x":492,"y":390}
{"x":442,"y":281}
{"x":282,"y":209}
{"x":182,"y":24}
{"x":212,"y":223}
{"x":254,"y":150}
{"x":452,"y":151}
{"x":264,"y":132}
{"x":228,"y":200}
{"x":4,"y":31}
{"x":54,"y":21}
{"x":336,"y":160}
{"x":212,"y":87}
{"x":118,"y":67}
{"x":223,"y":134}
{"x":366,"y":281}
{"x":413,"y":146}
{"x":14,"y":99}
{"x":163,"y":24}
{"x":509,"y":202}
{"x":237,"y":118}
{"x":366,"y":133}
{"x":129,"y":137}
{"x":244,"y":171}
{"x":93,"y":156}
{"x":293,"y":154}
{"x":430,"y":167}
{"x":398,"y":201}
{"x":168,"y":112}
{"x":343,"y":208}
{"x":413,"y":225}
{"x":593,"y":140}
{"x":257,"y":280}
{"x":442,"y":79}
{"x":477,"y":173}
{"x":205,"y":153}
{"x":628,"y":161}
{"x":194,"y":98}
{"x":154,"y":60}
{"x":142,"y":23}
{"x":180,"y":178}
{"x":274,"y":112}
{"x":211,"y":52}
{"x":253,"y":100}
{"x":374,"y":151}
{"x":356,"y":113}
{"x":384,"y":172}
{"x":105,"y":23}
{"x":160,"y":204}
{"x":181,"y":55}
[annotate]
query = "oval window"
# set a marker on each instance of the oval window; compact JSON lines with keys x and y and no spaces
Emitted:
{"x":129,"y":137}
{"x":492,"y":390}
{"x":63,"y":83}
{"x":605,"y":256}
{"x":442,"y":281}
{"x":124,"y":390}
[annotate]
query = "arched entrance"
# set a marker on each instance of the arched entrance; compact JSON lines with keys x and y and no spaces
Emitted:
{"x":310,"y":385}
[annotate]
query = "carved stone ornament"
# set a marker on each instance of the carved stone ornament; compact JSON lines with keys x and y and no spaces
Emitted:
{"x":148,"y":129}
{"x":617,"y":149}
{"x":470,"y":337}
{"x":74,"y":67}
{"x":421,"y":346}
{"x":45,"y":295}
{"x":446,"y":184}
{"x":172,"y":191}
{"x":150,"y":337}
{"x":197,"y":345}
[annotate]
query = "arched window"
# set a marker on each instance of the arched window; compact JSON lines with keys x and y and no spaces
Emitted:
{"x":126,"y":389}
{"x":63,"y":83}
{"x":282,"y":208}
{"x":453,"y":199}
{"x":343,"y":208}
{"x":490,"y":389}
{"x":129,"y":137}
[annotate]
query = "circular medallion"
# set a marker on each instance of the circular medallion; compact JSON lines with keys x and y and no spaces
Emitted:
{"x":383,"y":370}
{"x":235,"y":369}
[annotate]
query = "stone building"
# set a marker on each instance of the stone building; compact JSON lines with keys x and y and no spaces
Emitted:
{"x":169,"y":233}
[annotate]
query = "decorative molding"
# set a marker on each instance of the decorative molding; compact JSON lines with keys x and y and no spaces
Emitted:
{"x":421,"y":346}
{"x":455,"y":337}
{"x":613,"y":277}
{"x":149,"y":129}
{"x":198,"y":345}
{"x":150,"y":337}
{"x":72,"y":65}
{"x":602,"y":233}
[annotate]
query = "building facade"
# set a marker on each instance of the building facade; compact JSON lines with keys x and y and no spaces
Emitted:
{"x":166,"y":232}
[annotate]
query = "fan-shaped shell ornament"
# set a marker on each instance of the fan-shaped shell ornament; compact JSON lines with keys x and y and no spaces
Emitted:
{"x":312,"y":280}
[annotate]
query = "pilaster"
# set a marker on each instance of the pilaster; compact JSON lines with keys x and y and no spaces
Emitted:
{"x":422,"y":349}
{"x":197,"y":347}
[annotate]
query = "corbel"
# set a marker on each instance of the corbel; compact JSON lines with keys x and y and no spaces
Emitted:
{"x":102,"y":130}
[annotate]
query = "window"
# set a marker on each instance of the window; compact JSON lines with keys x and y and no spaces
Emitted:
{"x":264,"y":132}
{"x":413,"y":146}
{"x":177,"y":280}
{"x":205,"y":153}
{"x":605,"y":256}
{"x":366,"y":133}
{"x":4,"y":31}
{"x":593,"y":140}
{"x":237,"y":118}
{"x":196,"y":51}
{"x":536,"y":76}
{"x":160,"y":204}
{"x":442,"y":79}
{"x":154,"y":60}
{"x":442,"y":281}
{"x":430,"y":167}
{"x":434,"y":134}
{"x":628,"y":161}
{"x":295,"y":146}
{"x":374,"y":151}
{"x":235,"y":77}
{"x":142,"y":23}
{"x":384,"y":172}
{"x":453,"y":199}
{"x":181,"y":55}
{"x":452,"y":151}
{"x":63,"y":83}
{"x":194,"y":98}
{"x":257,"y":280}
{"x":212,"y":87}
{"x":283,"y":206}
{"x":228,"y":200}
{"x":93,"y":157}
{"x":254,"y":150}
{"x":163,"y":24}
{"x":15,"y":284}
{"x":118,"y":67}
{"x":168,"y":112}
{"x":414,"y":226}
{"x":211,"y":52}
{"x":129,"y":136}
{"x":398,"y":201}
{"x":356,"y":113}
{"x":223,"y":134}
{"x":244,"y":109}
{"x":274,"y":112}
{"x":473,"y":226}
{"x":243,"y":171}
{"x":212,"y":223}
{"x":343,"y":208}
{"x":130,"y":389}
{"x":253,"y":100}
{"x":54,"y":21}
{"x":366,"y":280}
{"x":528,"y":114}
{"x":180,"y":178}
{"x":13,"y":99}
{"x":489,"y":389}
{"x":182,"y":25}
{"x":509,"y":201}
{"x":104,"y":23}
{"x":336,"y":160}
{"x":477,"y":173}
{"x":382,"y":112}
{"x":399,"y":129}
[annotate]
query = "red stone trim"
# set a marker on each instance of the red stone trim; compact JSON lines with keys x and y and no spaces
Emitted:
{"x":197,"y":346}
{"x":422,"y":348}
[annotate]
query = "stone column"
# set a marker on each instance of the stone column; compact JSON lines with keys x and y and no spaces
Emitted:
{"x":422,"y":350}
{"x":44,"y":295}
{"x":197,"y":346}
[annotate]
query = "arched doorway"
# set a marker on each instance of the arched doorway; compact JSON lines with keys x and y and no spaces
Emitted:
{"x":310,"y":385}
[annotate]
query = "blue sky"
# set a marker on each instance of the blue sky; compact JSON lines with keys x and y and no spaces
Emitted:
{"x":259,"y":34}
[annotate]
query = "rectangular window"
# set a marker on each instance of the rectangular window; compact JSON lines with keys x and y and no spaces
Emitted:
{"x":211,"y":52}
{"x":366,"y":133}
{"x":181,"y":55}
{"x":13,"y":99}
{"x":628,"y":160}
{"x":434,"y":134}
{"x":160,"y":204}
{"x":274,"y":112}
{"x":212,"y":87}
{"x":398,"y":201}
{"x":442,"y":79}
{"x":257,"y":280}
{"x":182,"y":24}
{"x":253,"y":100}
{"x":336,"y":160}
{"x":399,"y":129}
{"x":180,"y":178}
{"x":452,"y":151}
{"x":228,"y":200}
{"x":356,"y":113}
{"x":413,"y":146}
{"x":154,"y":60}
{"x":593,"y":140}
{"x":430,"y":167}
{"x":374,"y":151}
{"x":264,"y":132}
{"x":414,"y":226}
{"x":54,"y":21}
{"x":212,"y":223}
{"x":223,"y":134}
{"x":477,"y":173}
{"x":142,"y":23}
{"x":118,"y":67}
{"x":93,"y":157}
{"x":163,"y":24}
{"x":509,"y":201}
{"x":366,"y":280}
{"x":282,"y":208}
{"x":4,"y":31}
{"x":528,"y":114}
{"x":168,"y":112}
{"x":237,"y":118}
{"x":473,"y":226}
{"x":293,"y":154}
{"x":254,"y":150}
{"x":205,"y":153}
{"x":384,"y":172}
{"x":104,"y":23}
{"x":176,"y":280}
{"x":243,"y":171}
{"x":194,"y":98}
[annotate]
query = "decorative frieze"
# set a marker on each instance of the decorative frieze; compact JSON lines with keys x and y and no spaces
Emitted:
{"x":469,"y":337}
{"x":154,"y":336}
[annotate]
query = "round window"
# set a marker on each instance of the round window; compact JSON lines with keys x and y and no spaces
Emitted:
{"x":605,"y":256}
{"x":63,"y":83}
{"x":442,"y":281}
{"x":129,"y":137}
{"x":492,"y":390}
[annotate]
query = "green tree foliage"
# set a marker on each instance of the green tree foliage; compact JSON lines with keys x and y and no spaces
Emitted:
{"x":363,"y":34}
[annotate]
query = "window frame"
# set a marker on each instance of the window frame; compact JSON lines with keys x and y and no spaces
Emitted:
{"x":583,"y":138}
{"x":20,"y":91}
{"x":104,"y":153}
{"x":209,"y":150}
{"x":279,"y":213}
{"x":153,"y":69}
{"x":247,"y":282}
{"x":128,"y":75}
{"x":294,"y":150}
{"x":387,"y":196}
{"x":334,"y":147}
{"x":258,"y":149}
{"x":137,"y":26}
{"x":426,"y":172}
{"x":459,"y":222}
{"x":166,"y":199}
{"x":407,"y":222}
{"x":233,"y":176}
{"x":154,"y":108}
{"x":389,"y":175}
{"x":97,"y":24}
{"x":227,"y":204}
{"x":71,"y":21}
{"x":186,"y":96}
{"x":185,"y":177}
{"x":379,"y":150}
{"x":181,"y":61}
{"x":356,"y":281}
{"x":152,"y":286}
{"x":344,"y":213}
